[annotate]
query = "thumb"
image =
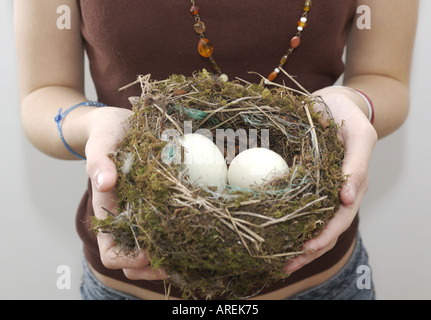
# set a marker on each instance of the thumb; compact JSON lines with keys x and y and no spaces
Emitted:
{"x":349,"y":192}
{"x":100,"y":168}
{"x":105,"y":176}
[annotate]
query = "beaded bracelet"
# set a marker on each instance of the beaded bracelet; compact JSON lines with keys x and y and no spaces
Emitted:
{"x":60,"y":116}
{"x":367,"y":101}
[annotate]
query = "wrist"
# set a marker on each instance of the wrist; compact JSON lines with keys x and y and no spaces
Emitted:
{"x":360,"y":99}
{"x":105,"y":128}
{"x":73,"y":126}
{"x":364,"y":98}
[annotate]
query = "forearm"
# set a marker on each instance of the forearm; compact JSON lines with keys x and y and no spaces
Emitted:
{"x":390,"y":98}
{"x":378,"y":61}
{"x":38,"y":110}
{"x":51,"y":75}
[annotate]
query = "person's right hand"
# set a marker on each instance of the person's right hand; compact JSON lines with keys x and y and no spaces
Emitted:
{"x":108,"y":127}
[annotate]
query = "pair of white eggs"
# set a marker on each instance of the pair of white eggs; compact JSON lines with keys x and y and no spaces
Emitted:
{"x":205,"y":164}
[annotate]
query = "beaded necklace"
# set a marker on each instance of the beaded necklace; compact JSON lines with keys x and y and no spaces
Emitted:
{"x":205,"y":47}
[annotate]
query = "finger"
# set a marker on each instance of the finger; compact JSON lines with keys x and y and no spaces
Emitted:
{"x":145,"y":273}
{"x":113,"y":258}
{"x":358,"y":152}
{"x":326,"y":239}
{"x":306,"y":258}
{"x":341,"y":221}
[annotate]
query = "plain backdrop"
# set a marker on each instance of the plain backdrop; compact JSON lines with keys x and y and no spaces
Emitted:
{"x":39,"y":195}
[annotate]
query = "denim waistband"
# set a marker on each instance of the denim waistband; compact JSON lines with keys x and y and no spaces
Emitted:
{"x":93,"y":289}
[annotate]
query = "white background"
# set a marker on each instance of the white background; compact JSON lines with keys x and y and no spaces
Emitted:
{"x":39,"y":195}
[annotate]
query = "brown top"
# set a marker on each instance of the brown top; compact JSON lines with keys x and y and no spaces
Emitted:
{"x":124,"y":40}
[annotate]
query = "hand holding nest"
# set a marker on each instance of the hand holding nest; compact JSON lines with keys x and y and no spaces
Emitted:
{"x":108,"y":128}
{"x":359,"y":139}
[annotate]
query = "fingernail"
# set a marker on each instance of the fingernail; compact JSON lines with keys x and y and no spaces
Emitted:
{"x":99,"y":180}
{"x":347,"y":188}
{"x":350,"y":190}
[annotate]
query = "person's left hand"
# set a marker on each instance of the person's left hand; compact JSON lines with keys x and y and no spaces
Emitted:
{"x":359,"y":138}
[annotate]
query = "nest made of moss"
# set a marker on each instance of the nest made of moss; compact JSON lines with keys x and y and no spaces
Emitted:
{"x":228,"y":243}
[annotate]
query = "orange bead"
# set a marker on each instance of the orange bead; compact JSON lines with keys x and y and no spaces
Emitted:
{"x":205,"y":48}
{"x":272,"y":76}
{"x":302,"y":24}
{"x":194,"y":10}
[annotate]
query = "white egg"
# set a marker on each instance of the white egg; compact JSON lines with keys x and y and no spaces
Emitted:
{"x":203,"y":162}
{"x":256,"y":166}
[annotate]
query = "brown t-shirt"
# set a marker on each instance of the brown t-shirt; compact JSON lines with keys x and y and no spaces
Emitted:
{"x":124,"y":39}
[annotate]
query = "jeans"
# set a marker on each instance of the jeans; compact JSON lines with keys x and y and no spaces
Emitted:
{"x":352,"y":282}
{"x":92,"y":289}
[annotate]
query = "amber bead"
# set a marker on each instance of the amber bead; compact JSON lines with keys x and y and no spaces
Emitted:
{"x":205,"y":48}
{"x":283,"y":59}
{"x":307,"y":5}
{"x":272,"y":76}
{"x":194,"y":10}
{"x":295,"y":42}
{"x":199,"y":27}
{"x":302,"y":24}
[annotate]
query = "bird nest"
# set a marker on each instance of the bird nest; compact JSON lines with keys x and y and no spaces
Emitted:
{"x":223,"y":241}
